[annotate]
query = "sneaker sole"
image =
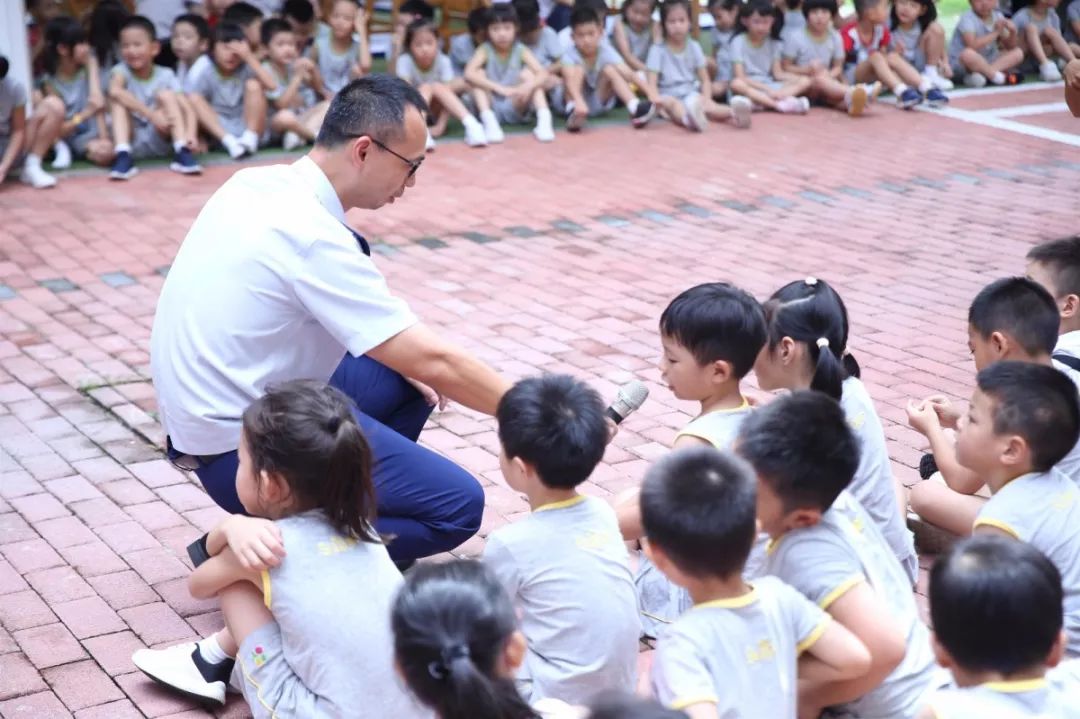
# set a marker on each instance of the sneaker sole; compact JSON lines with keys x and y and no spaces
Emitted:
{"x":183,"y":170}
{"x":640,"y":122}
{"x":858,"y":101}
{"x":742,"y":114}
{"x":187,"y":692}
{"x":124,"y":175}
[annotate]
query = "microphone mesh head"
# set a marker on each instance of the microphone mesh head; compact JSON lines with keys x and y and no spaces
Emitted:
{"x":634,"y":393}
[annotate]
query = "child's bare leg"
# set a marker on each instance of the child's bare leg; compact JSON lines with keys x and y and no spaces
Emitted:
{"x":876,"y":67}
{"x":1007,"y":60}
{"x":449,"y":100}
{"x":244,"y":610}
{"x":208,"y":119}
{"x":716,"y":111}
{"x":121,"y":124}
{"x":673,"y":109}
{"x":254,"y":106}
{"x":904,"y":69}
{"x":43,"y":127}
{"x":1033,"y":44}
{"x":574,"y":82}
{"x":719,"y":90}
{"x":933,"y":42}
{"x":942,"y":507}
{"x":191,"y":123}
{"x":286,"y":121}
{"x":1059,"y":45}
{"x":482,"y":100}
{"x":312,"y":118}
{"x":830,"y":90}
{"x":613,"y":83}
{"x":758,"y":97}
{"x":458,"y":85}
{"x":796,"y":87}
{"x":171,"y":107}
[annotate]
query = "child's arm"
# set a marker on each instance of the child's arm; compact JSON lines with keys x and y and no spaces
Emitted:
{"x":1072,"y":87}
{"x":654,"y":81}
{"x":978,"y":43}
{"x":837,"y":69}
{"x":291,"y":91}
{"x":15,"y":140}
{"x":787,"y":65}
{"x":924,"y":419}
{"x":836,"y":656}
{"x":780,"y":73}
{"x":474,"y":73}
{"x":119,"y":94}
{"x":618,"y":38}
{"x":256,"y":542}
{"x":315,"y":80}
{"x":95,"y":102}
{"x":218,"y":572}
{"x":363,"y":53}
{"x":264,"y":76}
{"x":540,"y":72}
{"x":706,"y":92}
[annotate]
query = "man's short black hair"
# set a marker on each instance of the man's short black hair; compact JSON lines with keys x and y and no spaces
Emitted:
{"x":143,"y":23}
{"x":555,"y":423}
{"x":244,"y":13}
{"x":301,"y":11}
{"x":1062,"y":258}
{"x":1036,"y":402}
{"x":202,"y":28}
{"x":830,"y":5}
{"x":374,"y":106}
{"x":476,"y":20}
{"x":996,"y":605}
{"x":272,"y":26}
{"x":699,"y":506}
{"x":802,"y":447}
{"x":1020,"y":308}
{"x":717,"y":321}
{"x":226,"y":32}
{"x":528,"y":14}
{"x":418,"y":8}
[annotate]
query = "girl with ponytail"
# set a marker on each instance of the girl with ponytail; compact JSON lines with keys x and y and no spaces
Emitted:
{"x":306,"y":592}
{"x":806,"y":348}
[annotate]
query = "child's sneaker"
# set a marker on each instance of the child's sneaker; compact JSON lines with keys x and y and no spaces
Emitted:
{"x":123,"y":167}
{"x":183,"y":668}
{"x":474,"y":132}
{"x":573,"y":122}
{"x":62,"y":155}
{"x":644,"y":112}
{"x":936,"y":98}
{"x":249,"y":141}
{"x":909,"y":98}
{"x":544,"y":132}
{"x":942,"y":83}
{"x":233,"y":147}
{"x":695,"y":114}
{"x":855,"y":100}
{"x":1049,"y":72}
{"x":975,"y":80}
{"x":873,"y":89}
{"x":291,"y":140}
{"x":742,"y":111}
{"x":793,"y":105}
{"x":429,"y":144}
{"x":492,"y":130}
{"x":184,"y":163}
{"x":33,"y":175}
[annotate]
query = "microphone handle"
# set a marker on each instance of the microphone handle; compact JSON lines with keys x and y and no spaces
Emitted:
{"x":615,"y":416}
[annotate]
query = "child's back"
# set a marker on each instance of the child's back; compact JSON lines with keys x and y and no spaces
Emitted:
{"x":1037,"y":698}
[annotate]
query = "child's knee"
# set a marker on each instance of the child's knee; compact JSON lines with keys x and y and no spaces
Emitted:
{"x":51,"y":106}
{"x":935,"y":30}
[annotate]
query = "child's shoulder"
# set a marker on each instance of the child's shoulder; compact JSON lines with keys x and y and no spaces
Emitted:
{"x":719,"y":427}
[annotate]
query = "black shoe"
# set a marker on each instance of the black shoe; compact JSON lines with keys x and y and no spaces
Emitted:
{"x":927,"y":466}
{"x":123,"y":167}
{"x":644,"y":113}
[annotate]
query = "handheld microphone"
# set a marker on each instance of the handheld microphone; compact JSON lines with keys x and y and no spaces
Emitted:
{"x":630,"y":397}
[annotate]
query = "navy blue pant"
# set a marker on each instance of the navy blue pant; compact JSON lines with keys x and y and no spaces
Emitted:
{"x":426,"y":503}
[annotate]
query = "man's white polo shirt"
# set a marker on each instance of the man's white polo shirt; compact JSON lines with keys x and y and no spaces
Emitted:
{"x":269,"y":285}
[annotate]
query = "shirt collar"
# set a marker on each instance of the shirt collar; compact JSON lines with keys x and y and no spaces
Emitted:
{"x":1069,"y":343}
{"x":313,"y":176}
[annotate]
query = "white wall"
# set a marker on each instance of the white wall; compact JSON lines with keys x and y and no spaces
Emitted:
{"x":13,"y":44}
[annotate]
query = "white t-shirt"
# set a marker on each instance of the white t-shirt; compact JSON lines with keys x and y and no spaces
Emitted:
{"x":269,"y":285}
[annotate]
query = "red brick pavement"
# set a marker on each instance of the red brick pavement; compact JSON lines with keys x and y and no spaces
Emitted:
{"x":538,"y":258}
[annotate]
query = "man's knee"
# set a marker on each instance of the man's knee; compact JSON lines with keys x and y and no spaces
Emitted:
{"x":468,"y":509}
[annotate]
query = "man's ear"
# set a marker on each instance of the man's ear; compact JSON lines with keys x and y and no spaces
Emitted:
{"x":1070,"y":307}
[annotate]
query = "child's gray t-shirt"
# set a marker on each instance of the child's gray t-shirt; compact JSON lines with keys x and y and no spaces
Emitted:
{"x":756,"y":60}
{"x":440,"y":71}
{"x":740,"y":654}
{"x":567,"y":570}
{"x":461,"y":51}
{"x":332,"y":596}
{"x":146,"y":90}
{"x":1043,"y":509}
{"x":504,"y":72}
{"x":225,"y":93}
{"x":794,"y":21}
{"x":873,"y":481}
{"x":802,"y":48}
{"x":1023,"y":18}
{"x":1035,"y":698}
{"x":721,"y":45}
{"x":826,"y":561}
{"x":906,"y":42}
{"x":335,"y":67}
{"x":12,"y":96}
{"x":641,"y":42}
{"x":971,"y":23}
{"x":74,"y":91}
{"x":547,"y":49}
{"x":605,"y":55}
{"x":677,"y":72}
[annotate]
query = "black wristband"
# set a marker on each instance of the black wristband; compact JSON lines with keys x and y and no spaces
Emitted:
{"x":197,"y":550}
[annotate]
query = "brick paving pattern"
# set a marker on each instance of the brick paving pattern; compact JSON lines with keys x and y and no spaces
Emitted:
{"x":538,"y":258}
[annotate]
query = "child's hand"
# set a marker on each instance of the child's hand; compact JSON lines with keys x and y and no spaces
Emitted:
{"x":242,"y":49}
{"x":304,"y":67}
{"x":160,"y":120}
{"x":256,"y":542}
{"x":361,"y":22}
{"x":921,"y":416}
{"x":946,"y":413}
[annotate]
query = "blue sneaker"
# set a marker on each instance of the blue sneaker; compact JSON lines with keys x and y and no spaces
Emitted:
{"x":123,"y":167}
{"x":184,"y":163}
{"x":936,"y":98}
{"x":909,"y":98}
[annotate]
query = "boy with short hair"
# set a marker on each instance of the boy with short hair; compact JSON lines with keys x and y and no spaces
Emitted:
{"x":1024,"y":418}
{"x":300,"y":14}
{"x":738,"y":651}
{"x":996,"y":609}
{"x":868,"y":58}
{"x":984,"y":46}
{"x":1056,"y":266}
{"x":593,"y":76}
{"x":463,"y":45}
{"x":565,"y":565}
{"x":540,"y":39}
{"x":296,"y":109}
{"x":146,"y":106}
{"x":825,"y":545}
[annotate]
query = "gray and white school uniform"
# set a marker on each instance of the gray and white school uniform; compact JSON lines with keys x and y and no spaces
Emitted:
{"x":970,"y":23}
{"x":186,"y":74}
{"x":461,"y":51}
{"x":842,"y":551}
{"x":1036,"y":698}
{"x":677,"y":71}
{"x":548,"y":50}
{"x":506,"y":72}
{"x":440,"y":71}
{"x":305,"y":96}
{"x":605,"y":55}
{"x":1068,"y":345}
{"x":566,"y":568}
{"x":146,"y":141}
{"x":802,"y":48}
{"x":873,"y":482}
{"x":12,"y":97}
{"x":1022,"y":18}
{"x":225,"y":94}
{"x":740,"y":654}
{"x":661,"y":601}
{"x":335,"y":67}
{"x":74,"y":92}
{"x":907,"y":43}
{"x":757,"y":60}
{"x":794,"y":21}
{"x":721,"y":45}
{"x":329,"y":651}
{"x":1043,"y":509}
{"x":641,"y":42}
{"x":1072,"y":16}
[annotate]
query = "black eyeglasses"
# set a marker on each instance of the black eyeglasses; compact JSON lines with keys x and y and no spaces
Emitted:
{"x":414,"y":165}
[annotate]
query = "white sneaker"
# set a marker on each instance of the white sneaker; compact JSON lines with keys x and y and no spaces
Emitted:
{"x":793,"y":105}
{"x":249,"y":141}
{"x":474,"y":133}
{"x":975,"y":79}
{"x":544,"y":132}
{"x":492,"y":131}
{"x":741,"y":111}
{"x":62,"y":161}
{"x":695,"y":114}
{"x":183,"y":668}
{"x":33,"y":175}
{"x":941,"y":83}
{"x":429,"y":144}
{"x":233,"y":146}
{"x":291,"y":140}
{"x":1049,"y":72}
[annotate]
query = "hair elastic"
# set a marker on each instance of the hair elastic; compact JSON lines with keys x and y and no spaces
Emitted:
{"x":811,"y":281}
{"x":440,"y":668}
{"x":823,"y":342}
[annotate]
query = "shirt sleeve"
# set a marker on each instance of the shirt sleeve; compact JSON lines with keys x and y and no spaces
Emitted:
{"x":18,"y":94}
{"x":348,"y":296}
{"x":680,"y":676}
{"x":738,"y":49}
{"x":655,"y":59}
{"x":553,"y":46}
{"x":1072,"y":13}
{"x":818,"y":567}
{"x":1053,"y":19}
{"x":168,"y":80}
{"x":968,"y":24}
{"x":699,"y":55}
{"x":201,"y":84}
{"x":999,"y":514}
{"x":807,"y":620}
{"x":498,"y":558}
{"x":404,"y":68}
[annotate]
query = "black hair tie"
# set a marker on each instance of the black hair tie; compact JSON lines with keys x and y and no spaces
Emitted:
{"x":440,"y":668}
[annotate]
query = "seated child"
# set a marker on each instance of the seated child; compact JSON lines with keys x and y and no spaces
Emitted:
{"x":739,"y":650}
{"x":794,"y":16}
{"x":146,"y":106}
{"x":679,"y":76}
{"x":807,"y":349}
{"x":1039,"y":30}
{"x":1056,"y":266}
{"x":296,"y":112}
{"x":408,"y":12}
{"x":1012,"y":318}
{"x":300,"y":14}
{"x":869,"y":57}
{"x":541,"y":40}
{"x":917,"y":36}
{"x":825,"y":545}
{"x":756,"y":57}
{"x":423,"y":66}
{"x":995,"y":604}
{"x":710,"y":335}
{"x":229,"y":98}
{"x":984,"y":46}
{"x":565,"y":565}
{"x":311,"y":630}
{"x":633,"y":35}
{"x":1024,"y":418}
{"x":725,"y":14}
{"x":816,"y":51}
{"x":26,"y":138}
{"x":507,"y":79}
{"x":72,"y":77}
{"x":463,"y":45}
{"x":343,"y":54}
{"x":190,"y":40}
{"x":592,"y":77}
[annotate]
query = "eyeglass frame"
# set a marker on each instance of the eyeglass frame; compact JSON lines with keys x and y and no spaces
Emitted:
{"x":414,"y":165}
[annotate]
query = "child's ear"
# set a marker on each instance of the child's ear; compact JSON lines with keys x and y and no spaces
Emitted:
{"x":273,"y":487}
{"x":941,"y":654}
{"x":521,"y":468}
{"x":786,"y":350}
{"x":802,"y":518}
{"x":722,"y":371}
{"x":514,"y":653}
{"x":999,"y":343}
{"x":1057,"y":652}
{"x":1016,"y":452}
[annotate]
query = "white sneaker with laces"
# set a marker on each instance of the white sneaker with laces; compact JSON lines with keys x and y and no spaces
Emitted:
{"x":474,"y":133}
{"x":62,"y":161}
{"x":249,"y":141}
{"x":233,"y":147}
{"x":695,"y":114}
{"x":178,"y":668}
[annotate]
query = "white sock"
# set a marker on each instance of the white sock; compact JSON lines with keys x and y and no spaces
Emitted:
{"x":123,"y":147}
{"x":899,"y":89}
{"x":178,"y":146}
{"x":632,"y":106}
{"x":931,"y":72}
{"x":32,"y":160}
{"x":998,"y":78}
{"x":211,"y":650}
{"x":543,"y":115}
{"x":469,"y":119}
{"x":925,"y":85}
{"x":488,"y":116}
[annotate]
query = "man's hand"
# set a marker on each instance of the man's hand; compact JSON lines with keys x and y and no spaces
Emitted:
{"x":256,"y":542}
{"x":432,"y":397}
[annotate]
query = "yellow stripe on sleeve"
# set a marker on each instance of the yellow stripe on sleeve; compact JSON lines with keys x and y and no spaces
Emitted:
{"x":996,"y":524}
{"x":840,"y":591}
{"x":266,"y":588}
{"x":681,"y":704}
{"x":813,"y":636}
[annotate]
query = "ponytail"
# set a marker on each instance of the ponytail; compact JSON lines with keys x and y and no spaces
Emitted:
{"x":471,"y":694}
{"x":829,"y":374}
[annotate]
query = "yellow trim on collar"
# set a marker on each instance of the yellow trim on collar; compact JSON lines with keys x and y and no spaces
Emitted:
{"x":744,"y":600}
{"x":1017,"y":686}
{"x":562,"y":504}
{"x":680,"y":704}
